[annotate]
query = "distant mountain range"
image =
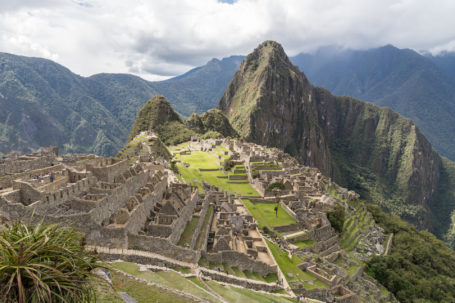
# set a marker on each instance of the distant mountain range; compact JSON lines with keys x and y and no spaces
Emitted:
{"x":418,"y":87}
{"x":42,"y":102}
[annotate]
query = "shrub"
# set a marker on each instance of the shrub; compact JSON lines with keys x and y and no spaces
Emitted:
{"x":255,"y":174}
{"x":228,"y":164}
{"x":44,"y":263}
{"x":336,"y":218}
{"x":278,"y":185}
{"x":174,"y":168}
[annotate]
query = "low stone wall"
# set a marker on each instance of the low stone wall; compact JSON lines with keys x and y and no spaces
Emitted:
{"x":238,"y":177}
{"x":289,"y":211}
{"x":240,"y":260}
{"x":247,"y":283}
{"x":139,"y":257}
{"x":162,"y":247}
{"x":286,"y":228}
{"x":209,"y":169}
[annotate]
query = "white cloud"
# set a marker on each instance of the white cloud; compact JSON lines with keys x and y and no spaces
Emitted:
{"x":160,"y":38}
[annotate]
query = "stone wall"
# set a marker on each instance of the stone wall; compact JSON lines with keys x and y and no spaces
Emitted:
{"x":163,"y":247}
{"x":247,"y":283}
{"x":24,"y":164}
{"x":197,"y":230}
{"x":240,"y":260}
{"x":118,"y":196}
{"x":140,"y":213}
{"x":70,"y":191}
{"x":107,"y":173}
{"x":184,"y":218}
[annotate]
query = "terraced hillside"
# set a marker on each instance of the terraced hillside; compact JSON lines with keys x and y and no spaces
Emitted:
{"x":307,"y":263}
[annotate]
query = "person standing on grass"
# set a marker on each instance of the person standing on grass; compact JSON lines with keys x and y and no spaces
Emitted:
{"x":276,"y":211}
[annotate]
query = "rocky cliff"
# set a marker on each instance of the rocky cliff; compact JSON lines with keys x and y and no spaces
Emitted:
{"x":373,"y":150}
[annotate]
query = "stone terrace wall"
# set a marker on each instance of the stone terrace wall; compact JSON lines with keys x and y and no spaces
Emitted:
{"x":139,"y":215}
{"x":20,"y":165}
{"x":197,"y":230}
{"x":163,"y":247}
{"x":184,"y":218}
{"x":240,"y":260}
{"x":118,"y":196}
{"x":250,"y":284}
{"x":109,"y":172}
{"x":70,"y":191}
{"x":7,"y":181}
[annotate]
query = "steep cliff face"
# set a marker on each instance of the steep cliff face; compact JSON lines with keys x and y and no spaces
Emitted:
{"x":268,"y":102}
{"x":370,"y":149}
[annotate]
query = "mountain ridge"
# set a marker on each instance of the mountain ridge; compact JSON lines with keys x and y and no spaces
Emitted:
{"x":372,"y":150}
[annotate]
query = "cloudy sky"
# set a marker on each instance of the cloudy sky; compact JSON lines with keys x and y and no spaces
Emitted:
{"x":157,"y":39}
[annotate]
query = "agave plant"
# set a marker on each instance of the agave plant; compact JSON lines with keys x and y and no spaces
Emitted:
{"x":44,"y":263}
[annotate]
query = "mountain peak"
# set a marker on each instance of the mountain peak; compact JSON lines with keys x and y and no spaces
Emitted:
{"x":155,"y":112}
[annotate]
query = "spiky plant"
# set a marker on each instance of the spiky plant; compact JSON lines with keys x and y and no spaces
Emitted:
{"x":44,"y":263}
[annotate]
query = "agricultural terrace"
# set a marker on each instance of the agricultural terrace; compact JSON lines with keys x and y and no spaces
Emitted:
{"x":264,"y":213}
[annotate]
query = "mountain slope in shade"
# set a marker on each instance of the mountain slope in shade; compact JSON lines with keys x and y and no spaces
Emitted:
{"x":401,"y":79}
{"x":373,"y":150}
{"x":43,"y":103}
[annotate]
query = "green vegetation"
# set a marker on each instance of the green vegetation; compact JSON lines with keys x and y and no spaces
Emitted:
{"x":212,"y":124}
{"x":290,"y":266}
{"x":235,"y":294}
{"x":211,"y":134}
{"x":228,"y":164}
{"x":277,"y":185}
{"x":336,"y":217}
{"x":419,"y":267}
{"x":264,"y":213}
{"x":44,"y":263}
{"x":144,"y":293}
{"x":208,"y":160}
{"x":174,"y":168}
{"x":154,"y":113}
{"x":170,"y":279}
{"x":187,"y":235}
{"x":305,"y":243}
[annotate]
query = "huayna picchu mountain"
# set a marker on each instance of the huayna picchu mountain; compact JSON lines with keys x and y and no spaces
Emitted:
{"x":373,"y":150}
{"x":158,"y":116}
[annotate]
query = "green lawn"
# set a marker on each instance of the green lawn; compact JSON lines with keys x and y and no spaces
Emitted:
{"x":305,"y":243}
{"x":290,"y":266}
{"x":142,"y":292}
{"x":237,"y":295}
{"x":167,"y":278}
{"x":207,"y":160}
{"x":264,"y":213}
{"x":187,"y":234}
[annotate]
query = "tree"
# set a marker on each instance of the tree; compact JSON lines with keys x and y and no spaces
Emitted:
{"x":228,"y":164}
{"x":278,"y":185}
{"x":174,"y":167}
{"x":45,"y":263}
{"x":336,"y":217}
